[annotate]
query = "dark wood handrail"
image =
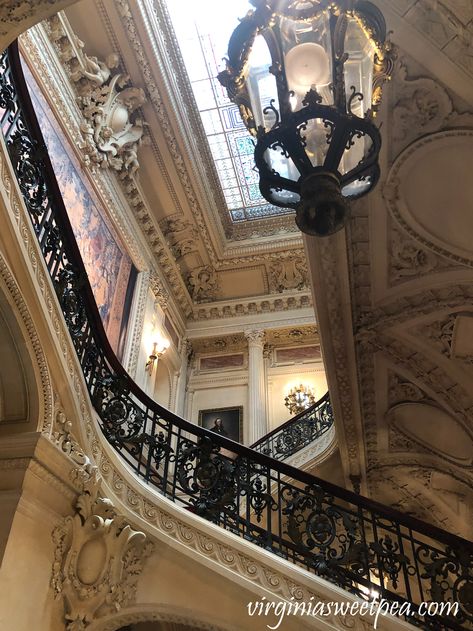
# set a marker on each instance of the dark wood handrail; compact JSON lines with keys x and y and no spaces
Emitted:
{"x":241,"y":451}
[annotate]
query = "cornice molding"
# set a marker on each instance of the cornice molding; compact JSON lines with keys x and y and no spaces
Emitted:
{"x":287,"y":301}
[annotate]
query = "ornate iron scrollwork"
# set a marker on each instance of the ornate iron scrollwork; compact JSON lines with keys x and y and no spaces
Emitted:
{"x":353,"y":542}
{"x":299,"y":432}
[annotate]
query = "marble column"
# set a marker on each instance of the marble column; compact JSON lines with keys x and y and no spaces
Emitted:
{"x":257,"y":412}
{"x":189,"y":402}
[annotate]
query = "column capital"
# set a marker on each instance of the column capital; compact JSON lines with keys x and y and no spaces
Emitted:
{"x":186,"y":348}
{"x":255,"y":337}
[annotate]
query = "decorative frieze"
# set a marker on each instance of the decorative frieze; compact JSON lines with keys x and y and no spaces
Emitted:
{"x":259,"y":305}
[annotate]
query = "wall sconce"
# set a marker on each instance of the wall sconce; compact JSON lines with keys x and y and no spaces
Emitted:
{"x":159,"y":348}
{"x":299,"y":398}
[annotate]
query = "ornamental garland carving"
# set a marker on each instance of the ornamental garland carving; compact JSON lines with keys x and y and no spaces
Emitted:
{"x":97,"y":561}
{"x":112,"y":129}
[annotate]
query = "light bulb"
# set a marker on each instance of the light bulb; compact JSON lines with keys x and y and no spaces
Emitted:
{"x":307,"y":65}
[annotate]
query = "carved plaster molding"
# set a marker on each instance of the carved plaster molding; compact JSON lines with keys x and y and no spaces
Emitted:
{"x":136,"y":323}
{"x":251,"y":306}
{"x":98,"y":558}
{"x":50,"y":73}
{"x":64,"y":438}
{"x":255,"y":337}
{"x":411,"y":500}
{"x":288,"y":274}
{"x":154,"y":613}
{"x":409,"y":259}
{"x":425,"y":302}
{"x":329,"y":271}
{"x":16,"y":17}
{"x":203,"y":283}
{"x":221,"y":549}
{"x":437,"y":385}
{"x":220,"y":344}
{"x":112,"y":128}
{"x":421,"y":106}
{"x":447,"y":24}
{"x":11,"y":288}
{"x":393,"y":198}
{"x":39,"y":49}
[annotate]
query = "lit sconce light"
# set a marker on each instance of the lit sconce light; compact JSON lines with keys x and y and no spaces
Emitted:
{"x":299,"y":398}
{"x":159,"y":348}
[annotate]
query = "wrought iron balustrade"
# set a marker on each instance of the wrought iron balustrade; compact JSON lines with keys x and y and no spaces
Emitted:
{"x":350,"y":540}
{"x":298,"y":432}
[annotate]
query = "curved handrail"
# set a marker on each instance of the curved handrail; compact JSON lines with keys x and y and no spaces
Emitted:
{"x":355,"y":542}
{"x":298,"y":432}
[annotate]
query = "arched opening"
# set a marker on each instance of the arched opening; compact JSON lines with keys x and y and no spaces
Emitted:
{"x":19,"y":401}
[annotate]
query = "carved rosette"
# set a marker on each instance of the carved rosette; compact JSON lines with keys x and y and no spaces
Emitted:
{"x":97,"y":561}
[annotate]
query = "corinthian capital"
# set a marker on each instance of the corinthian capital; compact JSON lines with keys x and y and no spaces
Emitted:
{"x":255,"y":337}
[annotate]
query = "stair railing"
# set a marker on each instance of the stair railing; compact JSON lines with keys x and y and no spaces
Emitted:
{"x":298,"y":432}
{"x":356,"y":543}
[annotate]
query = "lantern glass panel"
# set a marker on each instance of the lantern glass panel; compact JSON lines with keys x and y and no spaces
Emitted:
{"x":276,"y":159}
{"x":284,"y":197}
{"x":357,"y":187}
{"x":355,"y":153}
{"x":307,"y":52}
{"x":262,"y":84}
{"x":314,"y":134}
{"x":358,"y":70}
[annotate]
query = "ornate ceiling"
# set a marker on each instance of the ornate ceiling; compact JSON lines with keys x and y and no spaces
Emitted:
{"x":396,"y":321}
{"x":206,"y":265}
{"x":394,"y":291}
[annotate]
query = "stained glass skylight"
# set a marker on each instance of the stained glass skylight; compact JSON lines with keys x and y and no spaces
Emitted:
{"x":203,"y":28}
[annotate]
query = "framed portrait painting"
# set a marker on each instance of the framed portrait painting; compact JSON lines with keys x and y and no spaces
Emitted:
{"x":225,"y":421}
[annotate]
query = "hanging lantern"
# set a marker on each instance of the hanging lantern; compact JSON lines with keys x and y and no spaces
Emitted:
{"x":307,"y":76}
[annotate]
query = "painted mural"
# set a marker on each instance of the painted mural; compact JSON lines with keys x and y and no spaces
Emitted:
{"x":109,"y":268}
{"x":298,"y":354}
{"x":218,"y":362}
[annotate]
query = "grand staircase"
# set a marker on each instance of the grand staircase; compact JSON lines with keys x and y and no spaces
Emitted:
{"x":358,"y":544}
